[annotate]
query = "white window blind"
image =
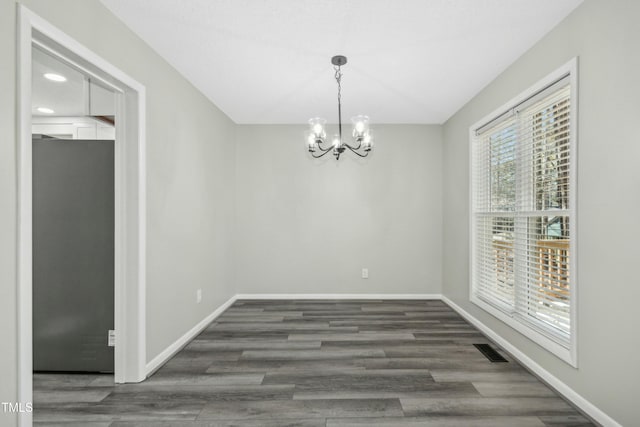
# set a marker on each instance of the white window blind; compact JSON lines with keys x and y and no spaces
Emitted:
{"x":523,"y":214}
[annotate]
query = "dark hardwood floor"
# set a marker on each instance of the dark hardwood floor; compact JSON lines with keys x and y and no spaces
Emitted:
{"x":317,"y":363}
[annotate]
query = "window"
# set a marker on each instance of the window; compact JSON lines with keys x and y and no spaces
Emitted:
{"x":523,"y":213}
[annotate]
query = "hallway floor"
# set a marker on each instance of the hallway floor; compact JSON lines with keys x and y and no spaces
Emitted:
{"x":317,"y":363}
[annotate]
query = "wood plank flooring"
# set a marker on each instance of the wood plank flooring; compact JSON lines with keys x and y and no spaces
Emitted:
{"x":317,"y":363}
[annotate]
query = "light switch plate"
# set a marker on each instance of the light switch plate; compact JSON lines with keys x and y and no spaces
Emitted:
{"x":365,"y":273}
{"x":111,"y":341}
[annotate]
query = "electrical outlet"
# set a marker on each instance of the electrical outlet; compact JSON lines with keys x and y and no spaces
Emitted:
{"x":199,"y":296}
{"x":365,"y":273}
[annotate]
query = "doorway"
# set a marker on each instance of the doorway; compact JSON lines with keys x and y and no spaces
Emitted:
{"x":73,"y":120}
{"x":129,"y":207}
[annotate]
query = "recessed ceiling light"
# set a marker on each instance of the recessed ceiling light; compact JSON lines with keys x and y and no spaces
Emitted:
{"x":55,"y":77}
{"x":45,"y":110}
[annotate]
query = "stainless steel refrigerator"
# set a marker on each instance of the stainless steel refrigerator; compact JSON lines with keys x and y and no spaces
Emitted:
{"x":73,"y":255}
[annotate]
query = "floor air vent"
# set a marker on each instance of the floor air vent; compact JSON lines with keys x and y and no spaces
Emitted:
{"x":490,"y":353}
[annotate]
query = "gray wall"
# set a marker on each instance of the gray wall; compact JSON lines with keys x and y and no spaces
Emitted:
{"x":310,"y":226}
{"x":190,"y":200}
{"x":605,"y":36}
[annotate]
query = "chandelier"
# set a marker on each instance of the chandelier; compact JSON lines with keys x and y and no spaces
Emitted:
{"x":316,"y":137}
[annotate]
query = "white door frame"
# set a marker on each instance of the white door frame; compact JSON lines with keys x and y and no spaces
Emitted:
{"x":130,"y":202}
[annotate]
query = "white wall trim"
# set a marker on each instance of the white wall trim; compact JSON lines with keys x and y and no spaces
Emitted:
{"x":130,"y":192}
{"x":24,"y":237}
{"x":130,"y":202}
{"x":339,"y":296}
{"x":178,"y":344}
{"x":553,"y":381}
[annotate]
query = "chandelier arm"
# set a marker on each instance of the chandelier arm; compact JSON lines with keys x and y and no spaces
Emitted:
{"x":323,"y":153}
{"x":324,"y":149}
{"x":354,"y":150}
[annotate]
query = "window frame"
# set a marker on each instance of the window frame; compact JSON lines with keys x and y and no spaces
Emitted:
{"x":539,"y":335}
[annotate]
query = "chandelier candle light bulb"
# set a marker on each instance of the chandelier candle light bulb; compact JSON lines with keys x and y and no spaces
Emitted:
{"x":316,"y":137}
{"x":360,"y":126}
{"x":367,"y":141}
{"x":336,"y":142}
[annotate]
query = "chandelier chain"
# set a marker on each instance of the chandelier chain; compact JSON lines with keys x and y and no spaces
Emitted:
{"x":339,"y":80}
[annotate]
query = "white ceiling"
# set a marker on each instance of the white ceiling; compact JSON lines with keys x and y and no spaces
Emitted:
{"x":410,"y":61}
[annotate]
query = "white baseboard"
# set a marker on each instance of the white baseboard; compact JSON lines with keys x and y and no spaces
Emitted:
{"x":587,"y":407}
{"x":339,"y":296}
{"x":170,"y":351}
